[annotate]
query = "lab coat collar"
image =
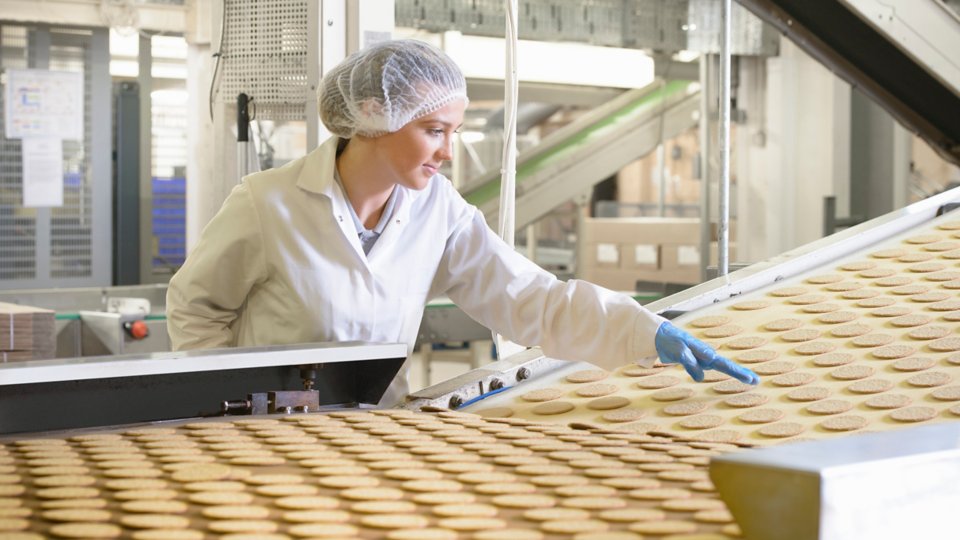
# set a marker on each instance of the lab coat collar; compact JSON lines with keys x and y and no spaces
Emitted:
{"x":316,"y":175}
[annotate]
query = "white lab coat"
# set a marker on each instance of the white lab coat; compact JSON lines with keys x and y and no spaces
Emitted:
{"x":281,"y":263}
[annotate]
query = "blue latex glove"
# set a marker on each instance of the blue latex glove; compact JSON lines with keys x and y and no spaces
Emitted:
{"x":678,"y":347}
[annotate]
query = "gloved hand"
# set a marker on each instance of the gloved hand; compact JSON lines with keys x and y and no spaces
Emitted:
{"x":678,"y":347}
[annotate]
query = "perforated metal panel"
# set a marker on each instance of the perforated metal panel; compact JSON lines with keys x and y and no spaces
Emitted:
{"x":264,"y":55}
{"x":599,"y":22}
{"x":61,"y":246}
{"x":17,"y":225}
{"x":750,"y":35}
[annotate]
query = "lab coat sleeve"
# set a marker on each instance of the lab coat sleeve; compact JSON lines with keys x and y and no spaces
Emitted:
{"x":205,"y":296}
{"x":572,"y":320}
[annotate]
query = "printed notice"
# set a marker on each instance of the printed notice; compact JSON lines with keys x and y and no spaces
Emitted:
{"x":42,"y":172}
{"x":42,"y":103}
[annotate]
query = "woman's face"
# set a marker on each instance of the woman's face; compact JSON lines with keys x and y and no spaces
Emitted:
{"x":416,"y":151}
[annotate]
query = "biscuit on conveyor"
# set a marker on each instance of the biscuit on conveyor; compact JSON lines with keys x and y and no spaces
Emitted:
{"x":149,"y":506}
{"x":857,"y":266}
{"x":781,"y":430}
{"x":930,"y":297}
{"x":832,"y":359}
{"x":946,"y":393}
{"x":813,"y":348}
{"x":829,"y":406}
{"x":888,"y":401}
{"x":788,"y":291}
{"x":701,"y":421}
{"x":848,"y":422}
{"x":542,"y":394}
{"x":671,"y":394}
{"x":220,"y":497}
{"x":929,"y":379}
{"x":793,"y":379}
{"x":746,"y":400}
{"x":844,"y":286}
{"x":750,"y":305}
{"x":75,"y":515}
{"x":824,"y":279}
{"x":944,"y":305}
{"x":850,"y":330}
{"x":709,"y":321}
{"x":496,"y":412}
{"x":945,"y":345}
{"x":747,"y":342}
{"x":760,"y":416}
{"x":782,"y":325}
{"x":686,"y":408}
{"x":807,"y":299}
{"x":596,"y":390}
{"x":870,"y":386}
{"x":608,"y":403}
{"x":893,"y":281}
{"x":909,"y":290}
{"x":552,"y":407}
{"x":422,"y":534}
{"x":731,"y":386}
{"x":875,"y":273}
{"x":173,"y":534}
{"x":657,"y":382}
{"x":663,"y":527}
{"x":640,"y":371}
{"x":587,"y":375}
{"x":820,"y":308}
{"x":623,"y":415}
{"x":756,"y":356}
{"x":154,"y":521}
{"x":892,"y":352}
{"x":722,"y":331}
{"x":568,"y":527}
{"x":86,"y":530}
{"x":775,"y":367}
{"x":876,"y":302}
{"x":508,"y":534}
{"x":852,"y":372}
{"x":888,"y":253}
{"x":913,"y":364}
{"x":872,"y":340}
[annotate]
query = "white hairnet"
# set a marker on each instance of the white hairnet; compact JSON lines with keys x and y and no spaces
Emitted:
{"x":380,"y":89}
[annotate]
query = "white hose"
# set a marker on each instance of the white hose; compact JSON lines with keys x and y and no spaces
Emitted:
{"x":508,"y":170}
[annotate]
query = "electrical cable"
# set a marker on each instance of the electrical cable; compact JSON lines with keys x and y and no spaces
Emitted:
{"x":484,"y":396}
{"x":218,"y":55}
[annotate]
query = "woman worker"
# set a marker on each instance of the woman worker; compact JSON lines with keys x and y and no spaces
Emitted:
{"x":350,"y":241}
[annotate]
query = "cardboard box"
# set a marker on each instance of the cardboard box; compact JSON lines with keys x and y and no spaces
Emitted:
{"x":26,"y":333}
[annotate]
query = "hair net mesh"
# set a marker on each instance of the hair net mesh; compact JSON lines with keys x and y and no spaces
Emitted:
{"x":380,"y":89}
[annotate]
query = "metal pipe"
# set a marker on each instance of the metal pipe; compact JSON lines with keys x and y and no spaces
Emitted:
{"x":723,"y":234}
{"x":662,"y":180}
{"x":706,"y":235}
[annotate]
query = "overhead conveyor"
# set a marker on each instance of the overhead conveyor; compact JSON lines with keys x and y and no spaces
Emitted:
{"x":577,"y":157}
{"x":901,"y":53}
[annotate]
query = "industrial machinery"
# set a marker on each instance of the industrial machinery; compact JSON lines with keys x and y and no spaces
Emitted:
{"x":583,"y":467}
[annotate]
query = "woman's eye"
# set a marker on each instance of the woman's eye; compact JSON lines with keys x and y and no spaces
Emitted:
{"x":436,"y":131}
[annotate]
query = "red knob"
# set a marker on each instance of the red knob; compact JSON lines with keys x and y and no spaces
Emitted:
{"x":137,"y":329}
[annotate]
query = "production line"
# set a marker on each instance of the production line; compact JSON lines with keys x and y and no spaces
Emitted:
{"x":555,"y":449}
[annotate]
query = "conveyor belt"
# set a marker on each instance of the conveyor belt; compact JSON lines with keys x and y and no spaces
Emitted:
{"x":580,"y":155}
{"x":353,"y":474}
{"x":870,"y":342}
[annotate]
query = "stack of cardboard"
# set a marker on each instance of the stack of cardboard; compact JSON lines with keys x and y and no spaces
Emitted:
{"x":619,"y":252}
{"x":26,"y":333}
